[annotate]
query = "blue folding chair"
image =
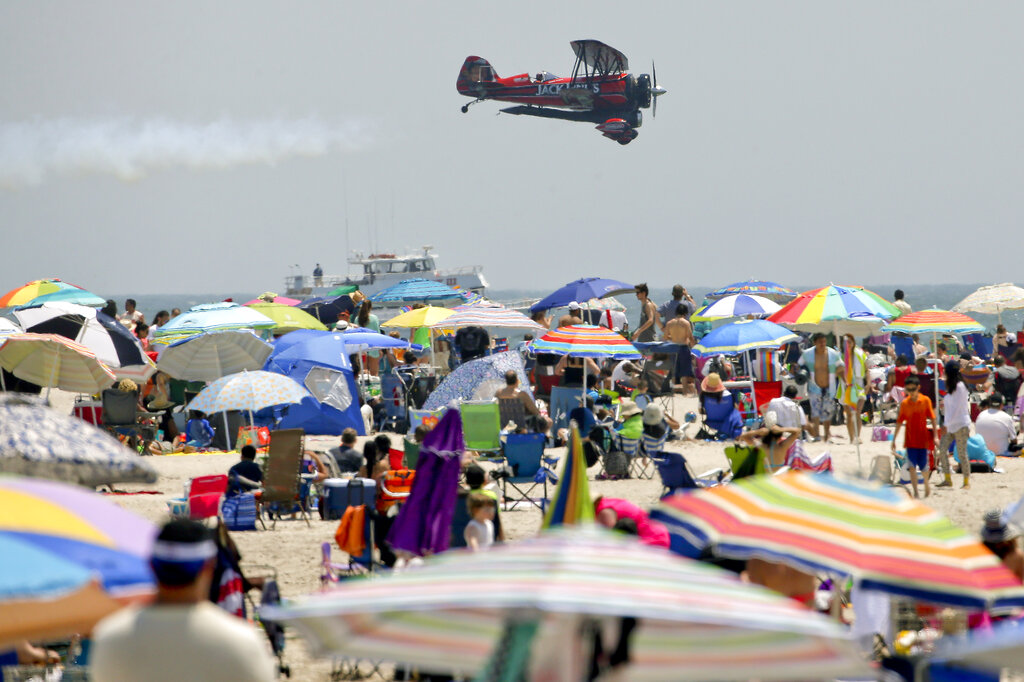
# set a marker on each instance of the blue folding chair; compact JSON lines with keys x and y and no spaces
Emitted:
{"x":525,"y":469}
{"x":676,"y":475}
{"x":722,"y":417}
{"x":903,"y":345}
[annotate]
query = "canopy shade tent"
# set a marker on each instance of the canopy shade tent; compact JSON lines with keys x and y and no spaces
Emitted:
{"x":582,"y":289}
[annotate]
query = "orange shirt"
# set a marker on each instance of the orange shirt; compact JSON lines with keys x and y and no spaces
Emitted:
{"x":914,"y":414}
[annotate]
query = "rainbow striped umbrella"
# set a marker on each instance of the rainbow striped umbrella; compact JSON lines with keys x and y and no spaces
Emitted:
{"x":586,"y":341}
{"x":571,"y":503}
{"x":770,"y":290}
{"x":32,"y":290}
{"x":695,"y":622}
{"x":839,"y":309}
{"x":934,"y":321}
{"x":818,"y":523}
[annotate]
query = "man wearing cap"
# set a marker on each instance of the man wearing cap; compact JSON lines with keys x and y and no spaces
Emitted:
{"x":572,"y":317}
{"x":1001,"y":540}
{"x":680,"y":296}
{"x":182,"y":635}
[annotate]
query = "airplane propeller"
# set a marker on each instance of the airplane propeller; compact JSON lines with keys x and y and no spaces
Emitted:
{"x":656,"y":92}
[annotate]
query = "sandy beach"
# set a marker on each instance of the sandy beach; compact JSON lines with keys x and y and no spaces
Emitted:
{"x":293,"y":549}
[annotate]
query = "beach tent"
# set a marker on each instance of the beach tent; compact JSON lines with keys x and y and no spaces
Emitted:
{"x":318,"y":361}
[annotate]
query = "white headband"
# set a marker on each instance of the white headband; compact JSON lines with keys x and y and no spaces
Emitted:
{"x":184,"y":551}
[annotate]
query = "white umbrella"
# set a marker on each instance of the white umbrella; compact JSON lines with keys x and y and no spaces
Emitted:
{"x":210,"y":356}
{"x":248,"y":392}
{"x":993,"y":300}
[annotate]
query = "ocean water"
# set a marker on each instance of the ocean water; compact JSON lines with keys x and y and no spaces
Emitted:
{"x":919,"y":296}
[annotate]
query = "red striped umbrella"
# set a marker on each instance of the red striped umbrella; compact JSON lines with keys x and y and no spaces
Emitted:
{"x":586,"y":341}
{"x":837,"y":309}
{"x":934,"y":321}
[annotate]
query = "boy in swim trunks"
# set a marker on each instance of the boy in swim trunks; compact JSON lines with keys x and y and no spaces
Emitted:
{"x":915,"y":411}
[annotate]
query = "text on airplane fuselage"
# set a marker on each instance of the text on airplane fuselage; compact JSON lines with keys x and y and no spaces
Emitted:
{"x":555,"y":88}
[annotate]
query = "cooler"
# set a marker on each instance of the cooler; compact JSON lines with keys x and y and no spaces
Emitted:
{"x":90,"y":411}
{"x":342,"y":493}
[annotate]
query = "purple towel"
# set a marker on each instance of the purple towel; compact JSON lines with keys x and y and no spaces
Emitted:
{"x":423,"y":525}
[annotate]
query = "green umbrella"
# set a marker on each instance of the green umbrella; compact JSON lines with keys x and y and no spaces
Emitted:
{"x":343,"y":289}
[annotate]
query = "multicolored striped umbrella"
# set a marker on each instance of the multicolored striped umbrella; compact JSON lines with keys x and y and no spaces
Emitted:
{"x":586,"y":341}
{"x":76,"y":296}
{"x":838,"y":309}
{"x":486,"y":316}
{"x":248,"y":392}
{"x":54,"y":361}
{"x":34,"y":289}
{"x":934,"y":321}
{"x":736,"y":305}
{"x":695,"y":622}
{"x":770,"y":290}
{"x":818,"y":523}
{"x":742,"y":336}
{"x":210,"y":317}
{"x":416,"y":289}
{"x":70,"y":558}
{"x":571,"y":504}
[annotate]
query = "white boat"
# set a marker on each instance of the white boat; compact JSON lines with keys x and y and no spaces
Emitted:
{"x":381,"y":270}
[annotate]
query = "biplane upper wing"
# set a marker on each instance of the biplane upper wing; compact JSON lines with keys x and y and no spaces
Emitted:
{"x":601,"y":58}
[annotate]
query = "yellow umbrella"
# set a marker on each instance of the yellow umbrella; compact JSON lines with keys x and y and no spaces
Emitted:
{"x":287,"y":318}
{"x":421,"y":317}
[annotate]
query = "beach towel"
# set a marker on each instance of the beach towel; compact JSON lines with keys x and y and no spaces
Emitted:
{"x":797,"y":458}
{"x":349,"y":536}
{"x":852,"y":389}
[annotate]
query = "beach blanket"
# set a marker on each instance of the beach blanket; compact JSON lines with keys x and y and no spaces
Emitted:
{"x":208,"y":452}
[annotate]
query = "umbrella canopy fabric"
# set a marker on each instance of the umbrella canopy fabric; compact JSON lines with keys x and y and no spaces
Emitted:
{"x":286,"y":318}
{"x":34,"y":289}
{"x":825,"y":309}
{"x":327,"y":349}
{"x":343,"y":290}
{"x":586,"y":341}
{"x":420,"y":317}
{"x":8,"y":327}
{"x":248,"y":392}
{"x":742,"y":336}
{"x":484,"y":316}
{"x":326,"y":308}
{"x":211,"y":317}
{"x":478,"y":379}
{"x":571,"y":503}
{"x":582,"y":289}
{"x":934,"y":321}
{"x":271,"y":297}
{"x":816,"y":522}
{"x":54,"y":361}
{"x":357,"y":342}
{"x":993,"y":299}
{"x":695,"y":622}
{"x":212,"y":355}
{"x":416,"y":289}
{"x":737,"y":305}
{"x":110,"y":340}
{"x":57,"y":537}
{"x":770,"y":290}
{"x":38,"y":441}
{"x":77,"y":296}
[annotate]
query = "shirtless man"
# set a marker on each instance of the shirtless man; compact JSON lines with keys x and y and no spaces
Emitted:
{"x":679,"y":330}
{"x":790,"y":582}
{"x":572,"y":317}
{"x":821,"y":361}
{"x":511,"y":391}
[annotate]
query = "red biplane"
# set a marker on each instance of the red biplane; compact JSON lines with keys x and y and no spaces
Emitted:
{"x":601,"y":90}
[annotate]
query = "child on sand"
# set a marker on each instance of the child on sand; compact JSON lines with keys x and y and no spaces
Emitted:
{"x":915,"y":411}
{"x":479,"y":531}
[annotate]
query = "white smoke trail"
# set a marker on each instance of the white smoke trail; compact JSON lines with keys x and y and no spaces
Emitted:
{"x":30,"y":151}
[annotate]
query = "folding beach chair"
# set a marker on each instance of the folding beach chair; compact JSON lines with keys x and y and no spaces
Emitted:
{"x":903,"y":345}
{"x":121,"y":416}
{"x":764,"y":393}
{"x":429,"y":418}
{"x":657,"y":374}
{"x":980,"y":345}
{"x":676,"y":474}
{"x":395,"y":396}
{"x":481,"y":425}
{"x":203,"y":498}
{"x":746,"y":461}
{"x":562,"y":402}
{"x":282,"y":478}
{"x":524,"y":470}
{"x":639,"y":461}
{"x":721,"y":417}
{"x":545,"y":384}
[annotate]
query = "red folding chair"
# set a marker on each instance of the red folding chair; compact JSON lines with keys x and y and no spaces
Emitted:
{"x":205,"y":494}
{"x":546,"y":382}
{"x":765,"y":391}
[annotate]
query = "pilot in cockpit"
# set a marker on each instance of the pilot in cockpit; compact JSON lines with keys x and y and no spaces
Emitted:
{"x":544,"y":76}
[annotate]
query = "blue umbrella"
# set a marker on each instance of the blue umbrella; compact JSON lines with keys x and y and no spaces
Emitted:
{"x":326,"y":349}
{"x":740,"y":337}
{"x":758,"y":287}
{"x":413,"y":290}
{"x":478,"y":379}
{"x":582,"y":290}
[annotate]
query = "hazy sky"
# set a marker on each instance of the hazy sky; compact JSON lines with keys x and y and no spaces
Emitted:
{"x":199,"y":147}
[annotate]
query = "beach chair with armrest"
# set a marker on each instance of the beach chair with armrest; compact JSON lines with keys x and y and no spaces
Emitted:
{"x":121,"y":417}
{"x":430,"y":418}
{"x":903,"y":345}
{"x":205,"y":495}
{"x":481,"y":425}
{"x":657,"y":373}
{"x":639,"y":462}
{"x":745,"y":460}
{"x":980,"y":345}
{"x":524,"y":470}
{"x":676,"y":474}
{"x":721,"y":417}
{"x":282,"y":477}
{"x":545,"y":383}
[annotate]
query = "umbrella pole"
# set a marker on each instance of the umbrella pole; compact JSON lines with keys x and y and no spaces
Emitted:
{"x":53,"y":375}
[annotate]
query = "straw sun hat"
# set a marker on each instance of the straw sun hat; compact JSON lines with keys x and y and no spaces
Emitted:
{"x":628,"y":409}
{"x":712,"y":384}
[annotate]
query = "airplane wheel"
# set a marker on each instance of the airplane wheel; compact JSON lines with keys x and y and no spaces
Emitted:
{"x":465,"y":109}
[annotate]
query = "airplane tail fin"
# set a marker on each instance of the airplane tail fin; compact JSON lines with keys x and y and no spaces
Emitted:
{"x":475,"y":71}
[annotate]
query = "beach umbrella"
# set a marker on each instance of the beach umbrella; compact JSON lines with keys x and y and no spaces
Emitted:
{"x":770,"y":290}
{"x":571,"y":503}
{"x":271,"y":297}
{"x":286,"y":318}
{"x":110,"y":340}
{"x":70,"y":557}
{"x":836,"y":309}
{"x":742,"y":336}
{"x":76,"y":296}
{"x":493,"y":318}
{"x":693,"y":621}
{"x":420,"y":317}
{"x":582,"y":289}
{"x":877,"y":536}
{"x":343,"y":290}
{"x":54,"y":362}
{"x":586,"y":341}
{"x":416,"y":290}
{"x":35,"y":289}
{"x":36,"y":440}
{"x":358,"y":342}
{"x":248,"y":392}
{"x":212,"y":355}
{"x":326,"y":308}
{"x":737,"y":305}
{"x":478,"y":379}
{"x":993,"y":300}
{"x":992,"y":650}
{"x":8,"y":327}
{"x":211,"y":317}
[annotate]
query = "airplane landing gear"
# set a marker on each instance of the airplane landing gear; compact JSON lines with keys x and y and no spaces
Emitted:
{"x":465,"y":107}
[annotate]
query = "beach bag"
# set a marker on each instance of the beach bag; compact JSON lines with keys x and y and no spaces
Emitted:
{"x":256,"y":436}
{"x":616,"y":464}
{"x":881,"y":433}
{"x":239,"y":511}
